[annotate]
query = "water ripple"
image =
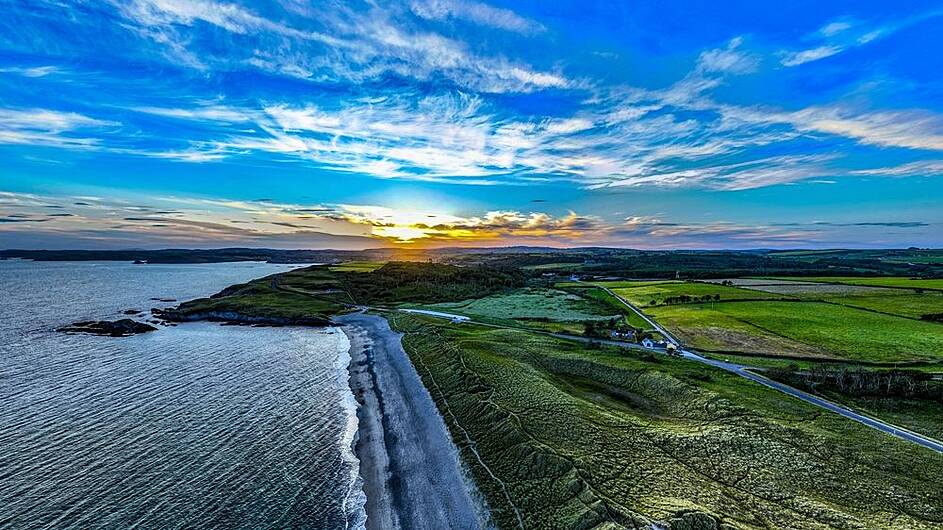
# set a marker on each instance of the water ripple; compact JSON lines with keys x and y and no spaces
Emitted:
{"x":193,"y":426}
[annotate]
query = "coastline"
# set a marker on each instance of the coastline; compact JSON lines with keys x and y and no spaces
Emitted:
{"x":411,"y":473}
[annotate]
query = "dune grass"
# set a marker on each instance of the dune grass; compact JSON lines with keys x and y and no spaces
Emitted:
{"x":573,"y":437}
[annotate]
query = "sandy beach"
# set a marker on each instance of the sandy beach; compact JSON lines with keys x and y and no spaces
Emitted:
{"x":410,"y":467}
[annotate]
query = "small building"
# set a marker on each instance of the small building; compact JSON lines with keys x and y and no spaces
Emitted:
{"x":648,"y":343}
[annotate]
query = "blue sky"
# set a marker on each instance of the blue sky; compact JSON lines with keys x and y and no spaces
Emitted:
{"x":305,"y":124}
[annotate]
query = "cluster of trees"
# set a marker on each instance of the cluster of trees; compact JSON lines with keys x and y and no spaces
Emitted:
{"x":603,"y":329}
{"x":858,"y":382}
{"x":423,"y":282}
{"x":600,"y":328}
{"x":687,"y":299}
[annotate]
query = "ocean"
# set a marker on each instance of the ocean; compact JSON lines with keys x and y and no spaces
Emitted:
{"x":199,"y":425}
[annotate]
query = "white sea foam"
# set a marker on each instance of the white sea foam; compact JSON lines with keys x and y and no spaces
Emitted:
{"x":355,"y":501}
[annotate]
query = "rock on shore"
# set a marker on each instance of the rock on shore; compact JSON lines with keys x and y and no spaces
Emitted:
{"x":117,"y":328}
{"x":235,"y":317}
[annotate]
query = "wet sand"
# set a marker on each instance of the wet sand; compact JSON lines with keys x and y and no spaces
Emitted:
{"x":410,"y":467}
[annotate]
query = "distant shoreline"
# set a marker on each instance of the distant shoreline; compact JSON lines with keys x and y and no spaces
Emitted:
{"x":412,"y":476}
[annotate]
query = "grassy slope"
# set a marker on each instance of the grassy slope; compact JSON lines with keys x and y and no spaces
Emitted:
{"x":259,"y":298}
{"x":530,"y":303}
{"x":581,"y":438}
{"x":630,"y":316}
{"x":830,"y":329}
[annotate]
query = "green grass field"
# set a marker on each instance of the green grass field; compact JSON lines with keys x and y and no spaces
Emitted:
{"x":901,"y":303}
{"x":812,"y":328}
{"x":624,"y":284}
{"x":530,"y":303}
{"x":549,"y":267}
{"x":653,"y":294}
{"x":357,"y":266}
{"x":574,"y":437}
{"x":909,"y":283}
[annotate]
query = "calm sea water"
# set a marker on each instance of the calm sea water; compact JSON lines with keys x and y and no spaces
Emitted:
{"x":199,"y":425}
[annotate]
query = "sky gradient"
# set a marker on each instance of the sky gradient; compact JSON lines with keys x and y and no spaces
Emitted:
{"x":348,"y":124}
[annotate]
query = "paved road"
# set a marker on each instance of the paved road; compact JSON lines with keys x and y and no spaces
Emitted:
{"x":746,"y":372}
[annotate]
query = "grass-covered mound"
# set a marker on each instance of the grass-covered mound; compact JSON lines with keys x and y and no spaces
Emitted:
{"x":309,"y":296}
{"x":561,"y":436}
{"x":261,"y":302}
{"x":398,"y":282}
{"x":530,"y":304}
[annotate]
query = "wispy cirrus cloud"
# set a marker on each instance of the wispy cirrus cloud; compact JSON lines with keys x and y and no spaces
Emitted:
{"x":844,"y":34}
{"x":341,"y":43}
{"x":399,"y":95}
{"x":476,"y":12}
{"x":30,"y":71}
{"x":921,"y":168}
{"x":48,"y":128}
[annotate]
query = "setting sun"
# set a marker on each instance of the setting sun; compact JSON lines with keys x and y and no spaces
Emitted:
{"x":400,"y":234}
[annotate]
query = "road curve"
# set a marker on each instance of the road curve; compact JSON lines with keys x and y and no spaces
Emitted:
{"x":746,"y":372}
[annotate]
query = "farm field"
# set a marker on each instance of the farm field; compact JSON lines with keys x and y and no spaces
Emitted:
{"x":819,"y":290}
{"x":622,"y":284}
{"x":757,"y":282}
{"x":655,"y":294}
{"x":897,"y":282}
{"x":705,"y":328}
{"x":563,"y":266}
{"x":603,"y":438}
{"x":817,"y":329}
{"x":900,"y":303}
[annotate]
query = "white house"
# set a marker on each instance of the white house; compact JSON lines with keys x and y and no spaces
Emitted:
{"x":647,"y":343}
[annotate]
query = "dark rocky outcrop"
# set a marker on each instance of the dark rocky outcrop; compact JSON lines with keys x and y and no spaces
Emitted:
{"x":233,"y":317}
{"x":118,"y":328}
